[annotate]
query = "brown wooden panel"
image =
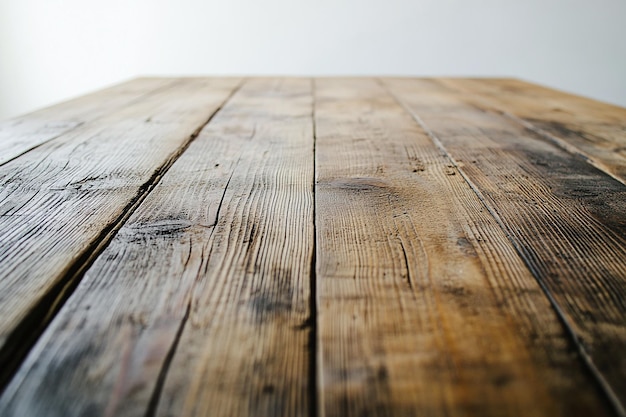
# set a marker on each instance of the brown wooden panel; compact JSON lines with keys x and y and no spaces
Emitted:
{"x":425,"y":308}
{"x":20,"y":134}
{"x":200,"y":304}
{"x":566,"y":218}
{"x":60,"y":202}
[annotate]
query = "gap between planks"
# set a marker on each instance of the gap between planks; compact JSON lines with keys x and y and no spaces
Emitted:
{"x":316,"y":404}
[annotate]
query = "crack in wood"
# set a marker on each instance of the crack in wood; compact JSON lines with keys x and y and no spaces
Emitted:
{"x":406,"y":263}
{"x":158,"y":388}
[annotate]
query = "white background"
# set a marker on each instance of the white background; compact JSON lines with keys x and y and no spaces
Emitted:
{"x":51,"y":50}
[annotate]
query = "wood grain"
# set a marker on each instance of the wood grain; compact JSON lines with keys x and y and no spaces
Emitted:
{"x":201,"y":304}
{"x":21,"y":134}
{"x":60,"y":202}
{"x":582,"y":126}
{"x":566,"y":218}
{"x":425,"y":309}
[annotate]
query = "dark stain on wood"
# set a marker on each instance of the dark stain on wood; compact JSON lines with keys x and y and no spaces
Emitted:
{"x":361,"y":184}
{"x":564,"y":130}
{"x":273,"y":295}
{"x":170,"y":228}
{"x":573,"y":179}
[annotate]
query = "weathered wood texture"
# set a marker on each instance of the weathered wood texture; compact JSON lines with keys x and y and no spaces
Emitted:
{"x":566,"y":218}
{"x":424,"y":306}
{"x":213,"y":268}
{"x":21,"y":134}
{"x":332,"y":247}
{"x":60,"y":202}
{"x":582,"y":126}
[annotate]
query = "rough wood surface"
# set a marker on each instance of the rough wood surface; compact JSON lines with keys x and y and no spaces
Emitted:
{"x":594,"y":129}
{"x":331,"y":247}
{"x":21,"y":134}
{"x":211,"y":273}
{"x":60,"y":202}
{"x":566,"y":218}
{"x":425,"y":308}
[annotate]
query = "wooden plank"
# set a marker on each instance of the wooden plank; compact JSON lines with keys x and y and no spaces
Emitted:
{"x":60,"y":202}
{"x":211,"y":273}
{"x":425,"y":309}
{"x":566,"y":218}
{"x":23,"y":133}
{"x":248,"y":337}
{"x":581,"y":126}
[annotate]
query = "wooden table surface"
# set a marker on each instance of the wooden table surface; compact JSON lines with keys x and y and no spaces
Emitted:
{"x":297,"y":247}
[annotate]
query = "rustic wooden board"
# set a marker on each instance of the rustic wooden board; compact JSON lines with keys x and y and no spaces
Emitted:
{"x":566,"y":218}
{"x":60,"y":202}
{"x":211,"y":273}
{"x":21,"y":134}
{"x":580,"y":125}
{"x":425,"y":308}
{"x":461,"y":252}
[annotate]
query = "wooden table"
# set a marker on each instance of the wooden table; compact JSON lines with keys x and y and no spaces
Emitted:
{"x":297,"y":247}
